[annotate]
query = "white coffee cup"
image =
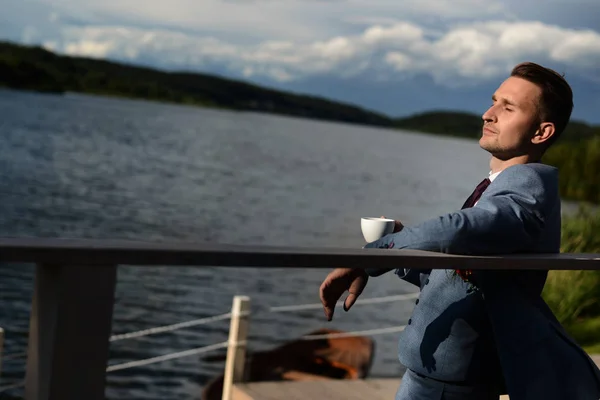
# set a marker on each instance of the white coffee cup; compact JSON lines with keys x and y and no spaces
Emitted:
{"x":376,"y":228}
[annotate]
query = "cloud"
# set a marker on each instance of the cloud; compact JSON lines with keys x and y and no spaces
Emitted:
{"x":465,"y":53}
{"x":457,"y":42}
{"x":238,"y":21}
{"x":297,"y":20}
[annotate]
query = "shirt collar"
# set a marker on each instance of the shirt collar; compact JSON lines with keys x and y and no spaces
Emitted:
{"x":494,"y":176}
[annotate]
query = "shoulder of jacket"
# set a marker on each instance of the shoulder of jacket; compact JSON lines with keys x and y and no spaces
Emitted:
{"x":537,"y":172}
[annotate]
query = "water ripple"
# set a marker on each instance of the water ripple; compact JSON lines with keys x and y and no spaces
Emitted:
{"x":93,"y":167}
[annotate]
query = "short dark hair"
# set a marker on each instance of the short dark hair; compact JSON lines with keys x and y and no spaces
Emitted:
{"x":556,"y":101}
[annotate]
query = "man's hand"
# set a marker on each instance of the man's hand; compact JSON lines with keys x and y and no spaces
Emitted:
{"x":336,"y":283}
{"x":398,"y":226}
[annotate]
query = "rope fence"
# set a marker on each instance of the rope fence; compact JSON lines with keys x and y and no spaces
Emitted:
{"x":169,"y":328}
{"x":205,"y":349}
{"x":291,"y":308}
{"x":170,"y":356}
{"x":359,"y":302}
{"x":217,"y":346}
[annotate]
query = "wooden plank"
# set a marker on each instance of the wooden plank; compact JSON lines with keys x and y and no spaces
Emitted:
{"x":110,"y":252}
{"x":373,"y":389}
{"x":69,"y":332}
{"x":239,"y":394}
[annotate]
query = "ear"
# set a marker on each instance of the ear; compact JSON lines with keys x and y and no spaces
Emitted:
{"x":545,"y":131}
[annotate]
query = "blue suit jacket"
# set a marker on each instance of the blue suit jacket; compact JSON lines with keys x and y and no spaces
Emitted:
{"x":518,"y":213}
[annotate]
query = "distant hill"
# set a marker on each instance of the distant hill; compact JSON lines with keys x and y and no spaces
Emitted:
{"x":34,"y":68}
{"x":454,"y":123}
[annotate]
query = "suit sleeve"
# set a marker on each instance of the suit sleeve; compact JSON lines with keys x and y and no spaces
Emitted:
{"x":508,"y":218}
{"x":411,"y":275}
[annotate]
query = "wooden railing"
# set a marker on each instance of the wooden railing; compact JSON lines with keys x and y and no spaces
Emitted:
{"x":73,"y":298}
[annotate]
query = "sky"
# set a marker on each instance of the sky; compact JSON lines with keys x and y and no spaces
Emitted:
{"x":393,"y":56}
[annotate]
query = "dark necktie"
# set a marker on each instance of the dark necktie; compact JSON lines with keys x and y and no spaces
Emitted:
{"x":476,"y":193}
{"x":465,"y":274}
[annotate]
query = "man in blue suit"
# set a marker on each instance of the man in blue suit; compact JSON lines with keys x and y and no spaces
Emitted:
{"x":478,"y":334}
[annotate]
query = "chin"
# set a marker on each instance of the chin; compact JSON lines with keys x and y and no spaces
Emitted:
{"x":483,"y":143}
{"x":488,"y":146}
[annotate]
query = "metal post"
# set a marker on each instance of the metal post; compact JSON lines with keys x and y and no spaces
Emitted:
{"x":236,"y":351}
{"x":69,"y":332}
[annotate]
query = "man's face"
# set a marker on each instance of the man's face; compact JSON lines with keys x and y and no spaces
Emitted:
{"x":511,"y":121}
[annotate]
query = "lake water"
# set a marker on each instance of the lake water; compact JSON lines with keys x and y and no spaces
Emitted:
{"x":91,"y":167}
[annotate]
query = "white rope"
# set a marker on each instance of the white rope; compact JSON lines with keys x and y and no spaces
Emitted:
{"x":202,"y":321}
{"x":169,"y":328}
{"x":217,"y":346}
{"x":369,"y":332}
{"x":200,"y":350}
{"x":375,"y":300}
{"x":12,"y":386}
{"x":166,"y":357}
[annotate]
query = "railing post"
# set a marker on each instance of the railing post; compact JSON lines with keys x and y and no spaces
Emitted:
{"x":69,"y":330}
{"x":236,"y":351}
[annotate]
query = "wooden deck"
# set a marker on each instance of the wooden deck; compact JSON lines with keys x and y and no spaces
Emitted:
{"x":371,"y":389}
{"x":332,"y":389}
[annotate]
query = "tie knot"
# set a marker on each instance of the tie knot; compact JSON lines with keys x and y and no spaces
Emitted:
{"x":477,"y":193}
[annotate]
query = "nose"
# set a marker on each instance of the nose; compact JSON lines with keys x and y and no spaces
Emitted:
{"x":489,"y":116}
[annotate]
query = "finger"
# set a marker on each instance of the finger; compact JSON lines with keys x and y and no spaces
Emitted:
{"x":326,"y":300}
{"x":328,"y":310}
{"x":350,"y":300}
{"x":356,"y":288}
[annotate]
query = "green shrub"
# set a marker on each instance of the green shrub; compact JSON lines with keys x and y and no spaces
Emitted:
{"x":578,"y":163}
{"x":576,"y":294}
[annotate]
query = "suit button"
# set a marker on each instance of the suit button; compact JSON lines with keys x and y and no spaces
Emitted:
{"x":417,"y":302}
{"x":409,"y":321}
{"x":427,"y":281}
